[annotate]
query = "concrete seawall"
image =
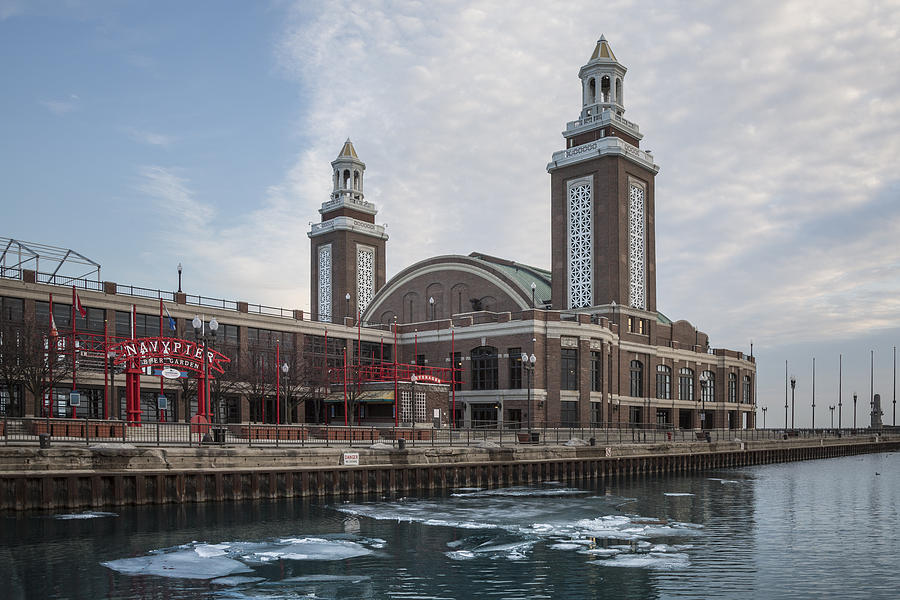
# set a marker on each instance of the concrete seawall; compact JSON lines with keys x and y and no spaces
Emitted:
{"x":112,"y":475}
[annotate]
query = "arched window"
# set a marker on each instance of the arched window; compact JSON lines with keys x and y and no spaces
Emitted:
{"x":346,"y":185}
{"x":618,"y":90}
{"x":637,"y":379}
{"x":592,"y":91}
{"x":686,"y":384}
{"x":708,"y":386}
{"x":604,"y":88}
{"x":732,"y":387}
{"x":748,"y":396}
{"x":356,"y":180}
{"x":484,"y":368}
{"x":663,"y":382}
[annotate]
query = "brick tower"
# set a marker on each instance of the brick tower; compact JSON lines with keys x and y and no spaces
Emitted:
{"x":347,"y":247}
{"x":602,"y":206}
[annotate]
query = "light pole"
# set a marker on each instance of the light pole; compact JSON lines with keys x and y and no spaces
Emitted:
{"x":347,"y":298}
{"x":854,"y":410}
{"x":206,"y":339}
{"x":831,"y":408}
{"x":703,"y":383}
{"x":179,"y":278}
{"x":528,"y":365}
{"x":840,"y":383}
{"x":287,"y":411}
{"x":814,"y":395}
{"x":793,"y":386}
{"x":111,"y":357}
{"x":533,"y":287}
{"x":431,"y":304}
{"x":764,"y":409}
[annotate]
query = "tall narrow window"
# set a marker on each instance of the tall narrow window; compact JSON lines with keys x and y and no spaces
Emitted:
{"x":686,"y":384}
{"x":365,"y":276}
{"x":637,"y":379}
{"x":484,"y":368}
{"x":569,"y":369}
{"x":708,"y":386}
{"x":580,"y":230}
{"x":636,"y":243}
{"x":596,"y":371}
{"x":663,"y":382}
{"x":325,"y":283}
{"x":732,"y":387}
{"x":515,"y":368}
{"x":748,"y":398}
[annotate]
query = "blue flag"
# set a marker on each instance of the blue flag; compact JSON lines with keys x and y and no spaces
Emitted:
{"x":169,"y":317}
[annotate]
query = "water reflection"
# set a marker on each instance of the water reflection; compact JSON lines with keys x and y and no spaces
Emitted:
{"x":800,"y":530}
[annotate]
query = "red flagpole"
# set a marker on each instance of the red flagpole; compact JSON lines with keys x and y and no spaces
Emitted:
{"x":50,"y":357}
{"x":278,"y":383}
{"x":396,"y":390}
{"x":105,"y":369}
{"x":453,"y":375}
{"x":345,"y":386}
{"x":161,"y":414}
{"x":74,"y":365}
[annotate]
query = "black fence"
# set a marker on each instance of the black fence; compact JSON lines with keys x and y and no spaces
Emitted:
{"x":46,"y":431}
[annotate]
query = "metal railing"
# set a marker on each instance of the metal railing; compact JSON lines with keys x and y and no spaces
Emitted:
{"x":155,"y":433}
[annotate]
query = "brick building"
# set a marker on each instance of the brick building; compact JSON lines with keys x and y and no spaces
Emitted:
{"x":597,"y":349}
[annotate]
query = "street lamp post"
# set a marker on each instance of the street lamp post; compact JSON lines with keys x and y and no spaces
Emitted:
{"x":347,"y":298}
{"x":764,"y":409}
{"x":831,"y":408}
{"x":814,"y":395}
{"x":207,"y":339}
{"x":431,"y":304}
{"x":533,"y":288}
{"x":703,"y":383}
{"x":854,"y":410}
{"x":793,"y":387}
{"x":179,"y":278}
{"x":287,"y":411}
{"x":528,"y":364}
{"x":111,"y":357}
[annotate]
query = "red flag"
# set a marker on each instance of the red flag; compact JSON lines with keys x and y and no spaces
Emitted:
{"x":53,"y":332}
{"x":76,"y":301}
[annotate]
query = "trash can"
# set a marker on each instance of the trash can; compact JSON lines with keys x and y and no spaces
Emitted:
{"x":708,"y":438}
{"x":219,"y":435}
{"x":593,"y":441}
{"x":535,"y":437}
{"x":44,"y":440}
{"x":401,"y":443}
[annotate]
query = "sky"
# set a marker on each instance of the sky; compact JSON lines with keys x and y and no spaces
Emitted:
{"x":144,"y":134}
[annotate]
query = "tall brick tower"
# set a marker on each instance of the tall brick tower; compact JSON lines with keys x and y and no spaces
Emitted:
{"x":347,"y":247}
{"x":602,"y":207}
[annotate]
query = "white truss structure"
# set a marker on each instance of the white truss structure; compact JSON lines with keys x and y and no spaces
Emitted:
{"x":365,"y":276}
{"x":325,"y":283}
{"x":637,"y":296}
{"x":580,"y":237}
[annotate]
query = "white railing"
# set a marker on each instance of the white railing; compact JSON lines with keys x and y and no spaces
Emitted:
{"x":606,"y":116}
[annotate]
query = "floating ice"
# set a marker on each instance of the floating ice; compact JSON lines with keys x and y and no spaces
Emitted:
{"x":601,"y":551}
{"x":565,"y":546}
{"x":84,"y":515}
{"x":327,"y":579}
{"x":522,"y":492}
{"x":306,"y":549}
{"x":185,"y":564}
{"x":677,"y":494}
{"x":236,"y":580}
{"x":653,"y":560}
{"x":723,"y":480}
{"x":210,"y":550}
{"x":460,"y":555}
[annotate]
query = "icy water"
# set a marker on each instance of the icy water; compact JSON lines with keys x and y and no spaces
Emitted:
{"x":816,"y":529}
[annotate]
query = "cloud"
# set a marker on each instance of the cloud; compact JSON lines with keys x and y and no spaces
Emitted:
{"x":149,"y":137}
{"x":173,"y":198}
{"x":776,"y":131}
{"x":61,"y":107}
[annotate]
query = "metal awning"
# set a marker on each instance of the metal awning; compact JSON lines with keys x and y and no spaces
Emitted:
{"x":369,"y":397}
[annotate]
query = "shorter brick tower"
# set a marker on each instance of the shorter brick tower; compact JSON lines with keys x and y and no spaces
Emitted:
{"x":347,"y":247}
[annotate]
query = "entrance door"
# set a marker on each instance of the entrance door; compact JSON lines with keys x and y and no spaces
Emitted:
{"x":484,"y":416}
{"x":684,"y":419}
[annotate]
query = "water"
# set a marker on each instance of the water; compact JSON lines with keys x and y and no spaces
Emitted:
{"x":815,"y":529}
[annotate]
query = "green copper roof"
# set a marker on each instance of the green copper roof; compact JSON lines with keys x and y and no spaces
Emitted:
{"x":524,"y":275}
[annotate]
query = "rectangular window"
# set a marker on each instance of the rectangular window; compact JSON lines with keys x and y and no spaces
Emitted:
{"x":13,"y":310}
{"x":484,"y":368}
{"x":596,"y":413}
{"x":420,"y":360}
{"x":748,"y":398}
{"x":568,"y":413}
{"x":686,"y":385}
{"x":515,"y":368}
{"x":568,"y":369}
{"x":596,"y":371}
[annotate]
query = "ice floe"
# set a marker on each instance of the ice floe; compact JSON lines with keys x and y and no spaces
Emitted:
{"x":84,"y":515}
{"x":677,"y":494}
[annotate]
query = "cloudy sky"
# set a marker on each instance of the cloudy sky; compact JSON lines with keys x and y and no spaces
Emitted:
{"x":146,"y":133}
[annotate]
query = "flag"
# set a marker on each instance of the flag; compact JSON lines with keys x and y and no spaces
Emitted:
{"x":169,"y":317}
{"x":76,"y":301}
{"x":53,"y":331}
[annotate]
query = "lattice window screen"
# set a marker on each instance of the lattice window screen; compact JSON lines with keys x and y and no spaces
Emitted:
{"x":365,"y":276}
{"x":421,"y":417}
{"x":636,"y":244}
{"x":325,"y":283}
{"x":580,"y":245}
{"x":405,"y":407}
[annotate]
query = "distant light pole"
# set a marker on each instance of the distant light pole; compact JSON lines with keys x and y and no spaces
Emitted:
{"x":764,"y":409}
{"x":431,"y":304}
{"x":179,"y":278}
{"x":854,"y":410}
{"x":814,"y":395}
{"x":793,"y":387}
{"x":703,"y":383}
{"x":533,"y":287}
{"x":528,"y":364}
{"x":840,"y":392}
{"x":831,"y":408}
{"x":284,"y":369}
{"x":347,"y":298}
{"x":208,"y":339}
